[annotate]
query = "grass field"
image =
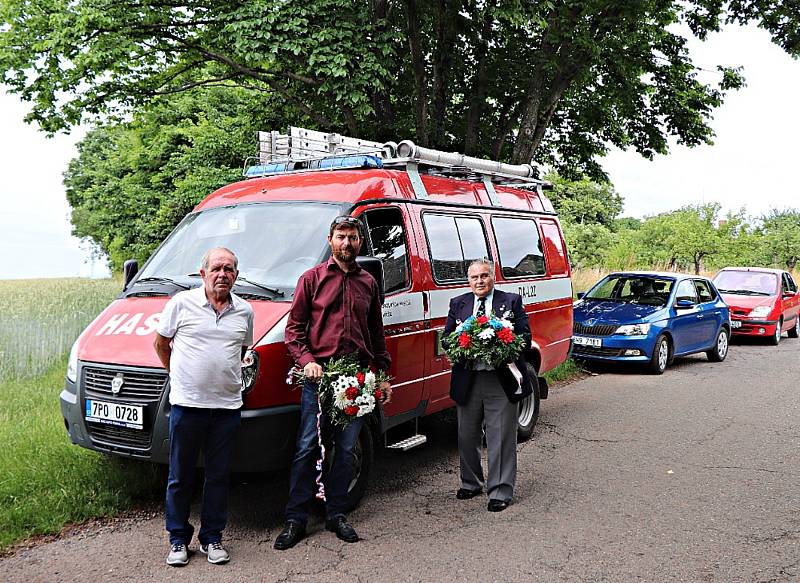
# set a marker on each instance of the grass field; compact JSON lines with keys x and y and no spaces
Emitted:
{"x":45,"y":482}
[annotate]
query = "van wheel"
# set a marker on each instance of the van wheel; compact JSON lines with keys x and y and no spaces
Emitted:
{"x":776,"y":338}
{"x":795,"y":330}
{"x":364,"y":456}
{"x":528,"y":408}
{"x":720,"y":350}
{"x":658,"y":362}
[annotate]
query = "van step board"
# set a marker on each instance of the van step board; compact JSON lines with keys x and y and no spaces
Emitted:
{"x":408,"y":443}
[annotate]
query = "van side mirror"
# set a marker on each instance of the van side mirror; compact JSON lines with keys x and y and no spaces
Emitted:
{"x":374,"y":267}
{"x":129,"y":269}
{"x":684,"y":304}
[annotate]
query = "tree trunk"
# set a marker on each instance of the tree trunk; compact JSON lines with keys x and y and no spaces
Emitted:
{"x":381,"y":100}
{"x":420,"y":77}
{"x":479,"y":87}
{"x":447,"y":15}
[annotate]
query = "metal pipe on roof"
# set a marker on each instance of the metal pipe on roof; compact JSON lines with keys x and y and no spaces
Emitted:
{"x":408,"y":149}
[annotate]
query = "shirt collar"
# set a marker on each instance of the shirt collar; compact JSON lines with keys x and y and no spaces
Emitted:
{"x":489,"y":300}
{"x":331,"y":264}
{"x":199,"y":296}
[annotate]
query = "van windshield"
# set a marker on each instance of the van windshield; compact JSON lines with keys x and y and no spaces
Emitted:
{"x":274,"y":242}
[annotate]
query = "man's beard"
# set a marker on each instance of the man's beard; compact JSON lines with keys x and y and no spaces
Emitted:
{"x":346,"y":255}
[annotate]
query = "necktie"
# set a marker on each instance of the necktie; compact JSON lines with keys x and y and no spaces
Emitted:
{"x":481,"y":307}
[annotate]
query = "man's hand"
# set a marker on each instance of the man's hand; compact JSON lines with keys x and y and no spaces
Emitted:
{"x":386,"y":389}
{"x":312,"y":371}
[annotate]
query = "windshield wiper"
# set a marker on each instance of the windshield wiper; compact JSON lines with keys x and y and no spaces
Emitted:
{"x":161,"y":280}
{"x":272,"y":290}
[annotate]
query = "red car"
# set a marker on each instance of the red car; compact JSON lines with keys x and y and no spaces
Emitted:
{"x":763,"y":302}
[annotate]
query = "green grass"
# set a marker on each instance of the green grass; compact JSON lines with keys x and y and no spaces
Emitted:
{"x":45,"y":481}
{"x":43,"y":317}
{"x":565,"y":371}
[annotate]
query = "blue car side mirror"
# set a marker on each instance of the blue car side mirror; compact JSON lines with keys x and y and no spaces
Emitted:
{"x":580,"y":294}
{"x":684,"y":304}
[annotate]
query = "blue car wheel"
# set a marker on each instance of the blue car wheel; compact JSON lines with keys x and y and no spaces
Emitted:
{"x":720,"y":350}
{"x":660,"y":358}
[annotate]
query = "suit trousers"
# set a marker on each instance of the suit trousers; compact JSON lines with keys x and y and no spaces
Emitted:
{"x":488,"y":402}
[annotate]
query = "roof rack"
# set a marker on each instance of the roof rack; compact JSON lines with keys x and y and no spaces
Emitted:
{"x":301,"y":149}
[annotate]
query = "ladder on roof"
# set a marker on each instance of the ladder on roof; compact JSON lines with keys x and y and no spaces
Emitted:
{"x":304,"y":149}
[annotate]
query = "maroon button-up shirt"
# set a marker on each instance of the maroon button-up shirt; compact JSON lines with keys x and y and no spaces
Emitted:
{"x":336,"y":313}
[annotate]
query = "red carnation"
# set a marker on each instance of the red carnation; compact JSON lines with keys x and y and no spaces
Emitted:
{"x":482,"y":320}
{"x":464,"y":340}
{"x":505,"y":335}
{"x":360,"y":378}
{"x":351,"y":410}
{"x":378,"y":395}
{"x":351,"y":392}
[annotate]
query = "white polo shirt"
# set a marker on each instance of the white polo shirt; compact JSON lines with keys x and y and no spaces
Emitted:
{"x":205,"y":365}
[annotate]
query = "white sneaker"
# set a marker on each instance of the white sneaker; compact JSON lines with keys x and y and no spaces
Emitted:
{"x":178,"y":555}
{"x":216,"y":553}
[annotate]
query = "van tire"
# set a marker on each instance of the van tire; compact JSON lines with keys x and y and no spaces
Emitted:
{"x":364,"y":452}
{"x":528,"y":408}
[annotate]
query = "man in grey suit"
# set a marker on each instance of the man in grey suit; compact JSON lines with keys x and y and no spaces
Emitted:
{"x":485,"y":394}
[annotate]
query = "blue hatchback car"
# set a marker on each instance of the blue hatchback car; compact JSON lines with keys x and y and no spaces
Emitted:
{"x":649,"y":318}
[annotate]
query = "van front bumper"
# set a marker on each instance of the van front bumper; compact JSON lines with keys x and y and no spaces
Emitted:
{"x":266,"y":438}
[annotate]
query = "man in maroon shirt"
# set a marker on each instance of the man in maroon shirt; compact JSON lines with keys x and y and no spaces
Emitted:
{"x":336,"y":311}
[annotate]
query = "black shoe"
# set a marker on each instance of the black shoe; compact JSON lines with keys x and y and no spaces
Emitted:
{"x":497,"y":505}
{"x":464,"y":494}
{"x":343,"y":530}
{"x":292,"y":534}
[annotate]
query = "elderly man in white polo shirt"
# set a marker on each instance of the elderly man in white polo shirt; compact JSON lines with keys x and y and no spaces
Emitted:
{"x":201,"y":339}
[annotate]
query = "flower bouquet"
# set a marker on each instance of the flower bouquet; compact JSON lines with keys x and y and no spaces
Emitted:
{"x":488,"y":339}
{"x":347,"y":390}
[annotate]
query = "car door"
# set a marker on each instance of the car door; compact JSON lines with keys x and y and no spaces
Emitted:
{"x":710,"y":314}
{"x":686,"y":321}
{"x":790,"y":297}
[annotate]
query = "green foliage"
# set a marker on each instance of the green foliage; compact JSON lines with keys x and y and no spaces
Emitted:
{"x":556,"y":80}
{"x":133,"y":182}
{"x":781,"y":236}
{"x":585,"y":201}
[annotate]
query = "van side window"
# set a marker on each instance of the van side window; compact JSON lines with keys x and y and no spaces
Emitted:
{"x":704,"y":291}
{"x":387,"y":240}
{"x":519,"y":247}
{"x":454,"y":243}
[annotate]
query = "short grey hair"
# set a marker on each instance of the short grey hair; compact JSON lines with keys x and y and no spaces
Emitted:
{"x":210,"y":252}
{"x":482,"y":261}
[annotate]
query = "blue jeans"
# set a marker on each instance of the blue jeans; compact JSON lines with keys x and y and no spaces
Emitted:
{"x":190,"y":430}
{"x":302,"y":484}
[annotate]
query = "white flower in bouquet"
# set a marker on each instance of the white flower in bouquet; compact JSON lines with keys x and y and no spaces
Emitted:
{"x":486,"y":334}
{"x":366,"y":403}
{"x":506,"y":323}
{"x":340,"y":400}
{"x":369,"y":381}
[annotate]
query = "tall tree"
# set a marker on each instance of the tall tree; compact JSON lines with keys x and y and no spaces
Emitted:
{"x":781,"y":233}
{"x":557,"y":81}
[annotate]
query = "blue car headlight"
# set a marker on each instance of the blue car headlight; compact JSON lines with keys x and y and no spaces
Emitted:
{"x":633,"y":330}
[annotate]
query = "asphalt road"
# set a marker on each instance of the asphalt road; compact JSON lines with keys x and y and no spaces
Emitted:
{"x":689,"y":476}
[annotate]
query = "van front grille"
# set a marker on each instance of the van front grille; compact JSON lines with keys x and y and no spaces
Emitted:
{"x":139,"y":387}
{"x":119,"y":437}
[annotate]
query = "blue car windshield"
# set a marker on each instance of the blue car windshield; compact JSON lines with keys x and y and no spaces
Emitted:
{"x":636,"y":289}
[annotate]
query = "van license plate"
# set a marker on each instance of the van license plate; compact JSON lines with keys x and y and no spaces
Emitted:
{"x":584,"y":341}
{"x":736,"y":323}
{"x":130,"y":416}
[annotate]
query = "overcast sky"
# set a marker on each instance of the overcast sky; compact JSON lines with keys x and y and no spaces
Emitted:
{"x":750,"y":166}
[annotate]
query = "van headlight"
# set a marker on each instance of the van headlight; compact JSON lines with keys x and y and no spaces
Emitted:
{"x":249,"y":370}
{"x":633,"y":330}
{"x":72,"y":364}
{"x":760,"y":311}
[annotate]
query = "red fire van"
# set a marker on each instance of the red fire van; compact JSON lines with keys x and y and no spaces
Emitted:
{"x":426,"y":215}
